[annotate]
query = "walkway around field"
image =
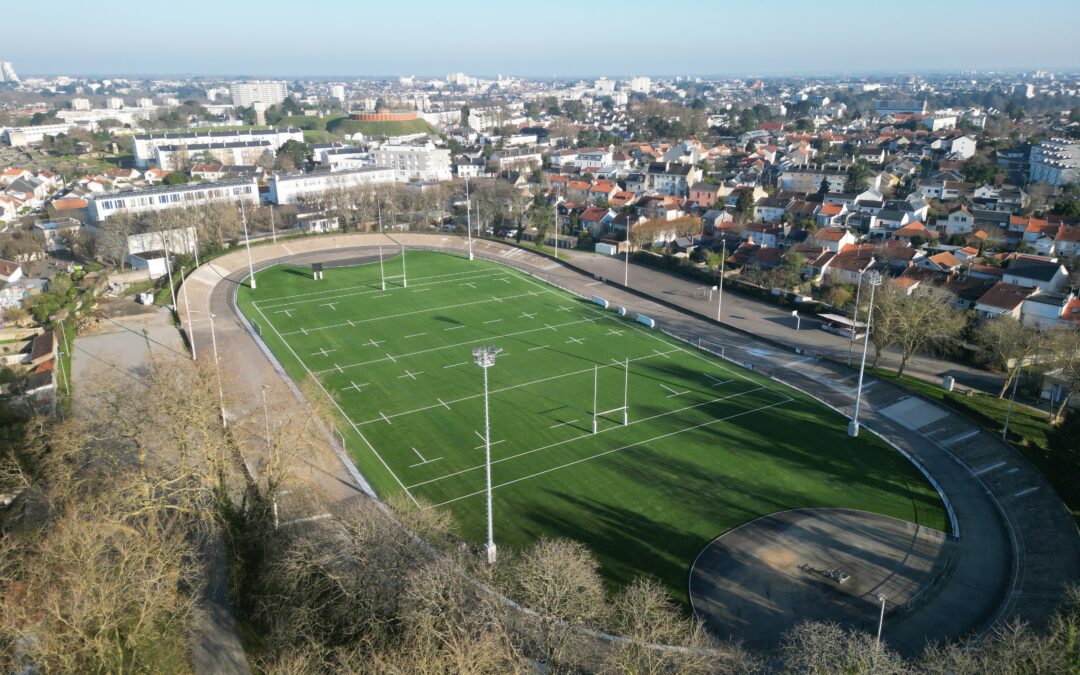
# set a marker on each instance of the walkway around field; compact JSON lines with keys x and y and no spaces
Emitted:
{"x":1017,"y":543}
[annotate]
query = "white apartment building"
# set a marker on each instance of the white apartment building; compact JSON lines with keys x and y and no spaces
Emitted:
{"x":270,"y":92}
{"x":641,"y":84}
{"x":108,"y":204}
{"x":439,"y":118}
{"x":298,"y":188}
{"x":1055,"y":161}
{"x":7,"y":72}
{"x":177,"y":157}
{"x":424,"y":162}
{"x":18,"y":136}
{"x":337,"y":92}
{"x":80,"y":104}
{"x":808,"y":178}
{"x":144,"y":146}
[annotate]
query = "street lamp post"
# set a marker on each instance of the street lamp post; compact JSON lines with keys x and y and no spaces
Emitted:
{"x":881,"y":618}
{"x":485,"y":358}
{"x":720,"y":286}
{"x":217,"y":367}
{"x":468,"y":216}
{"x":247,"y":240}
{"x":875,"y":279}
{"x":854,"y":320}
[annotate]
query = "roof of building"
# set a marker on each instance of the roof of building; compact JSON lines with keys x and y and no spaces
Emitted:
{"x":1038,"y":269}
{"x":1005,"y":296}
{"x":7,"y":268}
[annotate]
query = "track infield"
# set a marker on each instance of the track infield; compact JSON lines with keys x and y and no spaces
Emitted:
{"x":707,"y":445}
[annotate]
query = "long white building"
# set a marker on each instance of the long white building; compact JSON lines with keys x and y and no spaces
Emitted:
{"x":1055,"y":161}
{"x":106,"y":205}
{"x":16,"y":136}
{"x":270,"y":92}
{"x":144,"y":146}
{"x":297,"y":188}
{"x":174,"y":157}
{"x":424,"y":162}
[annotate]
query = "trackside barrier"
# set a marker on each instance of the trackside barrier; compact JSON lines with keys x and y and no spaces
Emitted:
{"x":600,"y":301}
{"x":641,"y":318}
{"x":622,"y":311}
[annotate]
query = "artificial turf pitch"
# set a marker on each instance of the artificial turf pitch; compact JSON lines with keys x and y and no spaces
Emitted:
{"x":709,"y":445}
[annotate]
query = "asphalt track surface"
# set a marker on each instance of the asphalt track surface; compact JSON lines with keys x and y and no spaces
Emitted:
{"x":1015,"y":543}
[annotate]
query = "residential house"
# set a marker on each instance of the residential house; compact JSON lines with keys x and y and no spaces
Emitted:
{"x":1003,"y":299}
{"x":10,"y":272}
{"x":1046,"y":274}
{"x":669,"y":178}
{"x":705,"y":194}
{"x":713,"y":218}
{"x":1067,"y":241}
{"x":914,"y":232}
{"x":830,"y":214}
{"x":1045,"y":311}
{"x":595,"y":218}
{"x":960,"y":221}
{"x":834,"y":238}
{"x":845,"y":267}
{"x":764,"y":233}
{"x":771,"y":209}
{"x":944,"y":262}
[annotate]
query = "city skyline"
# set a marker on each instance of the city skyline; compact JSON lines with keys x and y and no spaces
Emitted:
{"x":582,"y":41}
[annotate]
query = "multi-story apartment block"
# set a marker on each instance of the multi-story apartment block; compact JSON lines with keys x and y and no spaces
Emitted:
{"x":1056,"y":162}
{"x":176,"y":157}
{"x":270,"y":92}
{"x":415,"y":162}
{"x":299,"y":188}
{"x":106,"y":205}
{"x":144,"y":146}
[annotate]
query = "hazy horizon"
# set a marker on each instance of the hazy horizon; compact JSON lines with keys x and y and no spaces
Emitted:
{"x":274,"y":38}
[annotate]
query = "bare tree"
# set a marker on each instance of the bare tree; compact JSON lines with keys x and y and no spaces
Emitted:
{"x":1009,"y":345}
{"x":913,"y":323}
{"x":1064,"y":364}
{"x":814,"y":647}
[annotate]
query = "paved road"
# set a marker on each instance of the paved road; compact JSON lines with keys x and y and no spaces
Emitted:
{"x":1017,"y":544}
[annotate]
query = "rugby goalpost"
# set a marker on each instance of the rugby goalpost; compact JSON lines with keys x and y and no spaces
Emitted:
{"x":382,"y":269}
{"x":624,"y":408}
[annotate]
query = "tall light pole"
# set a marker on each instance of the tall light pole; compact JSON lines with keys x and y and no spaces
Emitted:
{"x":247,"y":240}
{"x":720,"y":295}
{"x":468,"y":216}
{"x":485,"y":358}
{"x":217,"y":367}
{"x":187,"y":309}
{"x":875,"y":279}
{"x":854,"y":320}
{"x":273,"y":230}
{"x":626,"y":266}
{"x":881,"y":617}
{"x":1012,"y":400}
{"x":266,"y":417}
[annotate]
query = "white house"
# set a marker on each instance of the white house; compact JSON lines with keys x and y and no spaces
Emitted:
{"x":960,"y":221}
{"x":1046,"y":274}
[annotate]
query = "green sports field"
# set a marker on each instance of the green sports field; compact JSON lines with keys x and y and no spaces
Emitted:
{"x":707,"y":445}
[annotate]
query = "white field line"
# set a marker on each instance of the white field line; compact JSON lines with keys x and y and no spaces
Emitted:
{"x":338,"y":406}
{"x":419,"y":311}
{"x":497,"y":391}
{"x":620,"y":449}
{"x":453,"y":346}
{"x":456,"y":365}
{"x":348,"y":292}
{"x":673,"y":392}
{"x":590,"y":435}
{"x":641,"y":329}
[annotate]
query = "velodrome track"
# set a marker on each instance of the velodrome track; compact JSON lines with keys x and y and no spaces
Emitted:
{"x":1017,"y":544}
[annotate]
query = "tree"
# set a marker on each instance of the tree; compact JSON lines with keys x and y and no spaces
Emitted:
{"x":825,"y":187}
{"x":815,"y":647}
{"x":1009,"y":344}
{"x":1064,"y":363}
{"x":540,"y":215}
{"x":858,"y":177}
{"x":295,"y":152}
{"x":744,"y":205}
{"x":979,"y":169}
{"x":913,"y":323}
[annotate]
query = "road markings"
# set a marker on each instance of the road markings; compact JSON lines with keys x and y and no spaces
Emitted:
{"x":987,"y":469}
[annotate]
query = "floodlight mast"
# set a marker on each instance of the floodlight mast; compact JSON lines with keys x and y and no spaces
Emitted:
{"x":468,"y":216}
{"x":485,"y":358}
{"x":875,"y":279}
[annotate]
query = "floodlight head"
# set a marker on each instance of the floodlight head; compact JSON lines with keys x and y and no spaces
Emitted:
{"x":880,"y":597}
{"x":485,"y":356}
{"x":875,"y":278}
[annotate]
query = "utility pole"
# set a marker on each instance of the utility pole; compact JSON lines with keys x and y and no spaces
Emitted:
{"x":1012,"y":400}
{"x":881,"y":618}
{"x":217,"y":367}
{"x":720,"y":295}
{"x":855,"y":320}
{"x":468,"y":216}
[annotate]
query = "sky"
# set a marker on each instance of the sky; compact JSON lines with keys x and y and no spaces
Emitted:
{"x":562,"y":38}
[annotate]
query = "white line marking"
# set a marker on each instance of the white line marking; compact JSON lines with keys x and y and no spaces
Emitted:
{"x":596,"y":283}
{"x":409,"y":337}
{"x":562,"y":424}
{"x":602,"y":431}
{"x":357,"y":387}
{"x":349,"y":321}
{"x":493,"y":444}
{"x":385,"y":418}
{"x":286,"y":312}
{"x":323,"y":352}
{"x":673,"y":392}
{"x":374,"y":343}
{"x":384,"y":295}
{"x":661,"y":354}
{"x":1025,"y":492}
{"x":577,"y":341}
{"x":518,"y":386}
{"x":339,"y":408}
{"x":469,"y":284}
{"x":957,"y":439}
{"x":564,"y":309}
{"x":430,"y":461}
{"x":526,"y":315}
{"x":455,"y":365}
{"x":608,"y":452}
{"x":409,"y":374}
{"x":716,"y":381}
{"x":443,"y":403}
{"x":427,"y":310}
{"x":338,"y":368}
{"x":612,"y":331}
{"x":454,"y":328}
{"x":986,"y":469}
{"x":533,"y":349}
{"x":387,"y":356}
{"x":475,"y":274}
{"x":331,"y":305}
{"x":492,"y":321}
{"x":419,"y":290}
